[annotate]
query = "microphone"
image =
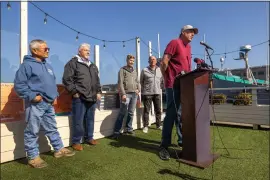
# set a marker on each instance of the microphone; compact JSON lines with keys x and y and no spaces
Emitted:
{"x":206,"y":45}
{"x":201,"y":63}
{"x":198,"y":61}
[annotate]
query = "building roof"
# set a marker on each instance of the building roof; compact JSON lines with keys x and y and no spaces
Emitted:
{"x":253,"y":67}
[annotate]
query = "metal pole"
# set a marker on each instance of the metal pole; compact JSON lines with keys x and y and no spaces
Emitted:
{"x":152,"y":104}
{"x":23,"y":30}
{"x":138,"y":57}
{"x":221,"y":69}
{"x":204,"y":50}
{"x":138,"y":69}
{"x":23,"y":33}
{"x":161,"y":91}
{"x":150,"y":48}
{"x":96,"y":56}
{"x":267,"y":31}
{"x":158,"y":47}
{"x":247,"y":67}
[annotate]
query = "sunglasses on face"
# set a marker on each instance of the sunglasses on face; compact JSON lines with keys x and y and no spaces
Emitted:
{"x":45,"y":49}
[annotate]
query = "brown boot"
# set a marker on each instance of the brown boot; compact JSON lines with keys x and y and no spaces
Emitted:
{"x":77,"y":147}
{"x":37,"y":163}
{"x":93,"y":142}
{"x":64,"y":152}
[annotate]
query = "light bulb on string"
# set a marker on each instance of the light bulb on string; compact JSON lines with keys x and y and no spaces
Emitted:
{"x":138,"y":39}
{"x":104,"y":44}
{"x":77,"y":37}
{"x":124,"y":44}
{"x":45,"y":19}
{"x":8,"y":6}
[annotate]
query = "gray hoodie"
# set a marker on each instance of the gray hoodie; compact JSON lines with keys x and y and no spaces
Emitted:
{"x":128,"y":81}
{"x":151,"y":81}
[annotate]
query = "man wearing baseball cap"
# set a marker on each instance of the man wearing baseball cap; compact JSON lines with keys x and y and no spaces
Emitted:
{"x":176,"y":60}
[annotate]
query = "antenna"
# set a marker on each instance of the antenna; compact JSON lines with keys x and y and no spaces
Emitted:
{"x":222,"y":63}
{"x":204,"y":50}
{"x":243,"y":55}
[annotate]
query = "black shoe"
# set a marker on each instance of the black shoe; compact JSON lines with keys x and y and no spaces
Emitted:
{"x":132,"y":133}
{"x":180,"y":144}
{"x":115,"y":136}
{"x":164,"y":154}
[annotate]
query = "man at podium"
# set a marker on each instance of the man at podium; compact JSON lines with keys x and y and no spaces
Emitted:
{"x":176,"y":61}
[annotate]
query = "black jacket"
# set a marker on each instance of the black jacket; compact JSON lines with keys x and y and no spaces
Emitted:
{"x":82,"y":79}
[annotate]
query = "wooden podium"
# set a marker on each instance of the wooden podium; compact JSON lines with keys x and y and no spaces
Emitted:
{"x":196,"y":118}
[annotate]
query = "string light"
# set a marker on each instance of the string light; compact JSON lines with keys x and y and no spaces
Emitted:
{"x":8,"y":6}
{"x":225,"y":53}
{"x":77,"y":37}
{"x":124,"y":44}
{"x":138,"y":40}
{"x":77,"y":30}
{"x":45,"y":19}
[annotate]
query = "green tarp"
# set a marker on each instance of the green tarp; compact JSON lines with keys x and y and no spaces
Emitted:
{"x":237,"y":79}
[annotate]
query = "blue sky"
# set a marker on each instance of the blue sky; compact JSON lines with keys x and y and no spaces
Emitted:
{"x":227,"y":26}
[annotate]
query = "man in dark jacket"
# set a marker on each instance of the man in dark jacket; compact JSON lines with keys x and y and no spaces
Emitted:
{"x":129,"y":88}
{"x":81,"y":79}
{"x":35,"y":83}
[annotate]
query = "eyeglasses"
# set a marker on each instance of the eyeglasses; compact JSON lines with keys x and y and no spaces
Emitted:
{"x":45,"y":49}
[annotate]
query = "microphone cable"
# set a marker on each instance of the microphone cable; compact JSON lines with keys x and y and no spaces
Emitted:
{"x":206,"y":92}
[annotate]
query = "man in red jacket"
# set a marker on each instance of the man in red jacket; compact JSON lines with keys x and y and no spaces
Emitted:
{"x":176,"y":60}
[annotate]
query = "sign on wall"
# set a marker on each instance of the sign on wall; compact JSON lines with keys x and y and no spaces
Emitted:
{"x":12,"y":107}
{"x":63,"y":105}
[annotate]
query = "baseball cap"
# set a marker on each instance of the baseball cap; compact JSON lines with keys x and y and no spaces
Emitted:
{"x":187,"y":27}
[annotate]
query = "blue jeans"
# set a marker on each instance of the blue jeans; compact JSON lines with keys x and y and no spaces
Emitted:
{"x":37,"y":114}
{"x":129,"y":106}
{"x":83,"y":119}
{"x":173,"y":115}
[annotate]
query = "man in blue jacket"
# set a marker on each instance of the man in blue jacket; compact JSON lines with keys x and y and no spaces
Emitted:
{"x":35,"y":83}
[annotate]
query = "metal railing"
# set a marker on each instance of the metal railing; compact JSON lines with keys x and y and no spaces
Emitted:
{"x":241,"y":105}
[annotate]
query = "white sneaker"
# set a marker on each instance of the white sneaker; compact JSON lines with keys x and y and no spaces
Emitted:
{"x":145,"y":129}
{"x":160,"y":127}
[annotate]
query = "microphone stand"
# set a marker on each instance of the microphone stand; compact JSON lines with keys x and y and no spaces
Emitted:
{"x":211,"y":95}
{"x":211,"y":79}
{"x":206,"y":49}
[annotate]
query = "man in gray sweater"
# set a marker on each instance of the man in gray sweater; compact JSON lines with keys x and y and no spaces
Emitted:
{"x":151,"y":82}
{"x":129,"y":88}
